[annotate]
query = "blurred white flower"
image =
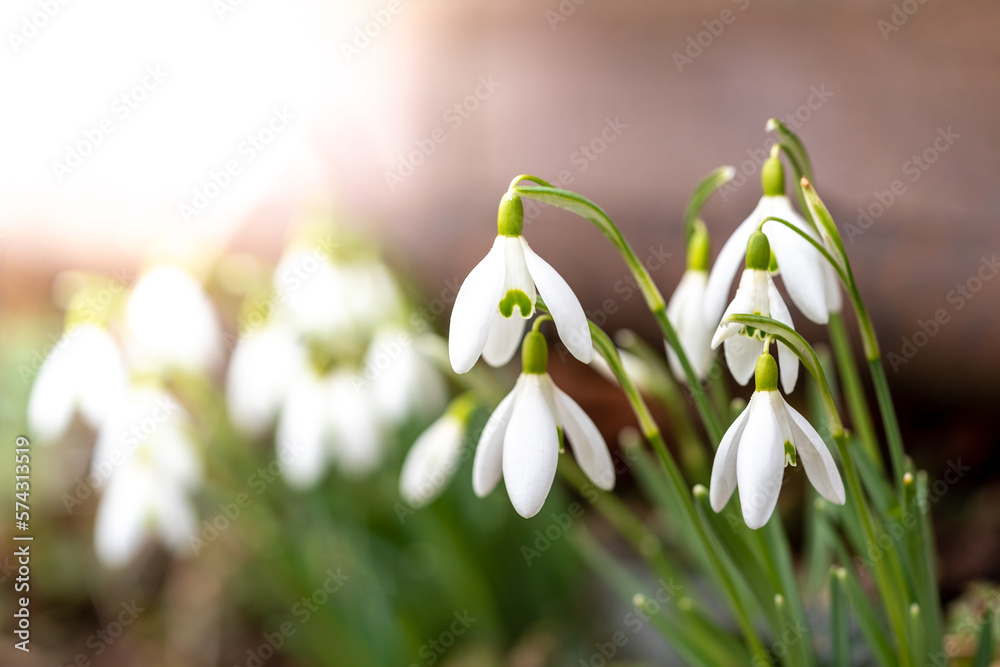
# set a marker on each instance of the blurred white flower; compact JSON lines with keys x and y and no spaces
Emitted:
{"x":148,"y":466}
{"x":84,"y":372}
{"x":637,"y":369}
{"x":432,"y":460}
{"x":521,"y":442}
{"x":171,"y":323}
{"x":760,"y":443}
{"x":403,"y":381}
{"x":686,"y":311}
{"x":265,"y":364}
{"x":327,"y":420}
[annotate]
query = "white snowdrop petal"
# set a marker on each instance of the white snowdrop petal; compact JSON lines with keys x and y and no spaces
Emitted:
{"x":486,"y":466}
{"x":760,"y":461}
{"x":586,"y":441}
{"x":301,"y":433}
{"x":726,"y":266}
{"x":789,"y":361}
{"x":431,"y":461}
{"x":120,"y":523}
{"x":816,"y":458}
{"x":504,"y":338}
{"x":686,"y":313}
{"x":800,"y":264}
{"x":101,"y":377}
{"x":265,"y":364}
{"x":741,"y":356}
{"x":401,"y":381}
{"x":354,"y":426}
{"x":724,"y":468}
{"x":742,"y":304}
{"x":530,"y":449}
{"x":170,"y":322}
{"x":478,"y":298}
{"x":567,"y":313}
{"x":517,"y":275}
{"x":52,"y":400}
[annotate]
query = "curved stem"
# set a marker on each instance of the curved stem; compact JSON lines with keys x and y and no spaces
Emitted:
{"x":575,"y":203}
{"x":652,"y":433}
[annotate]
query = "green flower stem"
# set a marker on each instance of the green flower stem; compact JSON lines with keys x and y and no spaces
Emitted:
{"x":828,"y":229}
{"x":626,"y":584}
{"x":708,"y":185}
{"x":611,"y":507}
{"x":867,"y":620}
{"x":839,"y":630}
{"x":888,"y":574}
{"x":666,"y":391}
{"x":575,"y":203}
{"x":652,"y":433}
{"x":889,"y":421}
{"x":857,"y":405}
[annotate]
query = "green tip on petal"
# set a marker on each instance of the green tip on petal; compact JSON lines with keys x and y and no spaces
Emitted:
{"x":510,"y":216}
{"x":772,"y":176}
{"x":790,"y":459}
{"x":766,"y":373}
{"x":535,"y":353}
{"x":515,"y":298}
{"x":772,"y":266}
{"x":758,"y":252}
{"x":699,"y":248}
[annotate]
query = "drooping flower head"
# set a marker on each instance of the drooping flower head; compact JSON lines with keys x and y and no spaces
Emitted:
{"x":498,"y":296}
{"x":436,"y":454}
{"x":521,"y":438}
{"x":809,"y":279}
{"x":768,"y":435}
{"x":686,"y":310}
{"x":756,"y":295}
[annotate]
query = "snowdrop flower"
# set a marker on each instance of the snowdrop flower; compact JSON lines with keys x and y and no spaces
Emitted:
{"x":84,"y":372}
{"x":756,"y":295}
{"x":808,"y":277}
{"x":265,"y":364}
{"x":326,"y":420}
{"x":686,"y":310}
{"x":403,"y":381}
{"x":170,"y":322}
{"x":434,"y":457}
{"x":521,"y":438}
{"x":498,"y":297}
{"x":147,"y":465}
{"x":768,"y":435}
{"x":309,"y":290}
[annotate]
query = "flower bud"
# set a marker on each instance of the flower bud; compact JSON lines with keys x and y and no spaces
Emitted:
{"x":510,"y":216}
{"x":772,"y":175}
{"x":535,"y":353}
{"x":758,"y":252}
{"x":766,"y":373}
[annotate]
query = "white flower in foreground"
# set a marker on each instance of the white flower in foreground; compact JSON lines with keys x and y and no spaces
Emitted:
{"x":756,"y":295}
{"x":265,"y":364}
{"x":521,"y":438}
{"x":170,"y":322}
{"x":760,"y":443}
{"x":808,"y":277}
{"x":323,"y":421}
{"x":436,"y":454}
{"x":686,"y":311}
{"x":84,"y":372}
{"x":148,"y":466}
{"x":498,"y":297}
